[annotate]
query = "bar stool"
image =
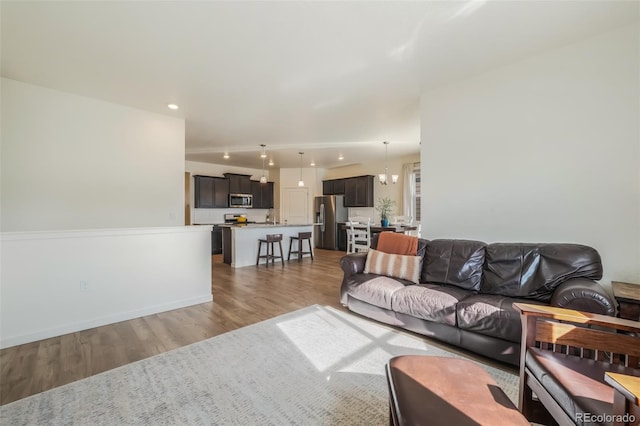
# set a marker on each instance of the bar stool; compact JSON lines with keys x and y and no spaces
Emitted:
{"x":302,"y":236}
{"x":270,"y":240}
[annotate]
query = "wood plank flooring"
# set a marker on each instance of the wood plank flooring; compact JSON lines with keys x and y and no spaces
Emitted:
{"x":241,"y":297}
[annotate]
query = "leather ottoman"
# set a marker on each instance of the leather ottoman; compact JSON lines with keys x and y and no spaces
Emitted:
{"x":446,"y":391}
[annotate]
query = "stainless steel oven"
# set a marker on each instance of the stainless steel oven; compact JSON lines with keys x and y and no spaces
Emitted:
{"x":241,"y":200}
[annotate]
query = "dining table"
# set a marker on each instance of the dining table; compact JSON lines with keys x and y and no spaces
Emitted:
{"x":373,"y":229}
{"x":392,"y":228}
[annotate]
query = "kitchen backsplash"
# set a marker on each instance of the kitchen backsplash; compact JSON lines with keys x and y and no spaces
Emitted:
{"x":210,"y":216}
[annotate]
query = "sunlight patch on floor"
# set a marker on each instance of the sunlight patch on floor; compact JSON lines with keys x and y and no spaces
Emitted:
{"x":334,"y":342}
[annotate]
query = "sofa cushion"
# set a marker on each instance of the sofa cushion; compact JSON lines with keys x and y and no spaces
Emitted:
{"x":454,"y":262}
{"x":576,"y":384}
{"x":533,"y":271}
{"x":377,"y":290}
{"x":491,"y":315}
{"x":393,"y":265}
{"x":432,"y":302}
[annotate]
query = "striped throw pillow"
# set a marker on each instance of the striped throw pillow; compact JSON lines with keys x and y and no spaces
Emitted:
{"x":393,"y":265}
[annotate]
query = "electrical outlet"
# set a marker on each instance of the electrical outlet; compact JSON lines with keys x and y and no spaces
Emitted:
{"x":84,"y":285}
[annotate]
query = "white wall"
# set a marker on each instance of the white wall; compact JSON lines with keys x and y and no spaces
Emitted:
{"x":75,"y":163}
{"x":288,"y":178}
{"x":208,"y":169}
{"x":59,"y":282}
{"x":543,"y":150}
{"x":71,"y":162}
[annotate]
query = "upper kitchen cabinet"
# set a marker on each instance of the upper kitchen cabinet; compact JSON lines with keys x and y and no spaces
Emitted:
{"x":211,"y":192}
{"x":239,"y":184}
{"x":333,"y":187}
{"x":262,"y":195}
{"x":358,"y":191}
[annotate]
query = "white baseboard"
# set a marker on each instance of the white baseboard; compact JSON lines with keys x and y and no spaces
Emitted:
{"x":97,"y":322}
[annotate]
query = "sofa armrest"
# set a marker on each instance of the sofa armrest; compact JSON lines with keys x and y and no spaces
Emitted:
{"x":584,"y":295}
{"x":352,"y":264}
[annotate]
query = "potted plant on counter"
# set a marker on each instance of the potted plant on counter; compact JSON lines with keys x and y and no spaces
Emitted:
{"x":385,"y":207}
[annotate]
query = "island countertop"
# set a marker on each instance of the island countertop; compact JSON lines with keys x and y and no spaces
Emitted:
{"x":240,"y":247}
{"x":267,"y":225}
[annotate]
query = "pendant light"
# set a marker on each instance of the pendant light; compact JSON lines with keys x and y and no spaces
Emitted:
{"x":263,"y":178}
{"x":301,"y":182}
{"x":383,"y":177}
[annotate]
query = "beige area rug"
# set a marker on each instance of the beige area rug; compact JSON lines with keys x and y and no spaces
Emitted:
{"x":314,"y":366}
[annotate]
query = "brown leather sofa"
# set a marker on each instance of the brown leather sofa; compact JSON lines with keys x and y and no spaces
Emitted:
{"x":467,"y":289}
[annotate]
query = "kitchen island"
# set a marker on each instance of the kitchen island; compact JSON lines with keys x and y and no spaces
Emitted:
{"x":240,"y":242}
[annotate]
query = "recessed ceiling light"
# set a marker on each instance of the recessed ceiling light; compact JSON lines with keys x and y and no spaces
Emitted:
{"x":225,"y":156}
{"x":340,"y":157}
{"x":172,"y":106}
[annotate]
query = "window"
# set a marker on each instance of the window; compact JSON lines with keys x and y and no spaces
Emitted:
{"x":418,"y":191}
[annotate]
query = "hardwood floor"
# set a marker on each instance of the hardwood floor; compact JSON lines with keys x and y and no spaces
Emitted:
{"x":241,"y":297}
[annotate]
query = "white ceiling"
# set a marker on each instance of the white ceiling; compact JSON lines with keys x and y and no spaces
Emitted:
{"x":323,"y":77}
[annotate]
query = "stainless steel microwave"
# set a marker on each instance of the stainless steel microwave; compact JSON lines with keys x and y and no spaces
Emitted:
{"x":241,"y":200}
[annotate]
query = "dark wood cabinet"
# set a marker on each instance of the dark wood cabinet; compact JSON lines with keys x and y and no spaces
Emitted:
{"x":256,"y":191}
{"x":267,"y":196}
{"x":221,"y":193}
{"x":333,"y":187}
{"x":342,"y":237}
{"x":358,"y":191}
{"x":203,"y":187}
{"x":327,"y":187}
{"x":226,"y":244}
{"x":262,"y":195}
{"x":216,"y":240}
{"x":211,"y":192}
{"x":239,"y":184}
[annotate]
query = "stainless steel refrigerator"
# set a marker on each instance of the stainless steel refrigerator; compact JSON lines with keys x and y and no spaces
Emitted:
{"x":329,"y":212}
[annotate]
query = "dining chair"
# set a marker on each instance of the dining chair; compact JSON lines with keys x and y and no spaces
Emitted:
{"x":358,"y":234}
{"x":415,"y":232}
{"x":408,"y":221}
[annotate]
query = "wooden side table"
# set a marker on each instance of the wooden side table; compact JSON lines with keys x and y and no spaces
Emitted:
{"x":628,"y":297}
{"x":626,"y":398}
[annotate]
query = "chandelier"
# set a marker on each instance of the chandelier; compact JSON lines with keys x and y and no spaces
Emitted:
{"x":301,"y":182}
{"x":383,"y":177}
{"x":263,"y":178}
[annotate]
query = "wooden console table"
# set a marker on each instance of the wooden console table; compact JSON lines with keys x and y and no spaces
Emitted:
{"x":628,"y":297}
